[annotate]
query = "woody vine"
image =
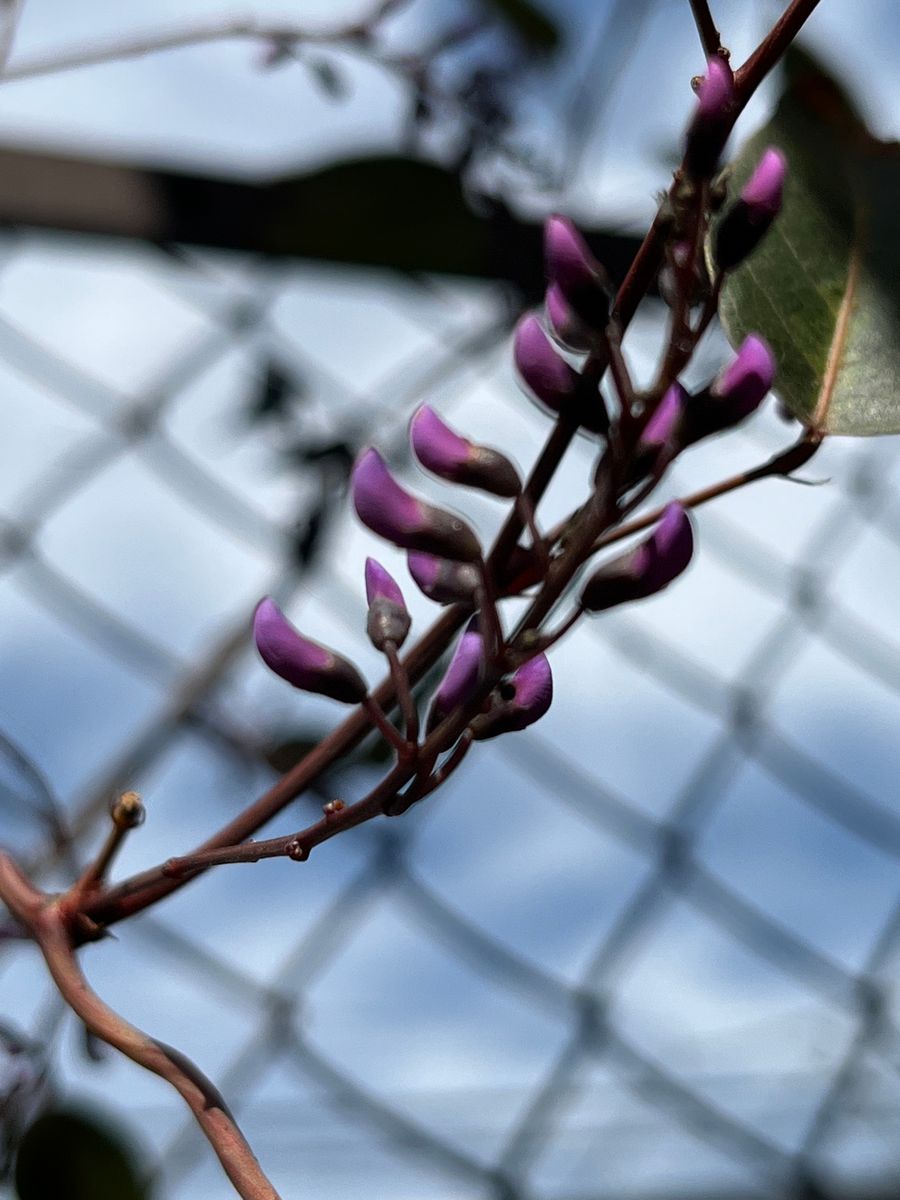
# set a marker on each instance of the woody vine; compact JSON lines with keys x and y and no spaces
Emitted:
{"x":499,"y":678}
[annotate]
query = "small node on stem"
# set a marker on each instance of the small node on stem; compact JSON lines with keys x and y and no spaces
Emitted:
{"x":296,"y":851}
{"x":332,"y":808}
{"x":128,"y":811}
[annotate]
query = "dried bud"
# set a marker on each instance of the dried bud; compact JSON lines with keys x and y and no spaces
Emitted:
{"x":388,"y":619}
{"x":550,"y":378}
{"x":575,"y":271}
{"x":645,"y":570}
{"x":304,"y":663}
{"x":460,"y":681}
{"x":458,"y":460}
{"x":564,"y":325}
{"x":443,"y":581}
{"x":520,"y":702}
{"x":711,"y":123}
{"x":748,"y":220}
{"x":392,"y":513}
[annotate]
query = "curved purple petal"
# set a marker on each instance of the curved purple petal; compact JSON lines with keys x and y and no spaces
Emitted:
{"x":302,"y":662}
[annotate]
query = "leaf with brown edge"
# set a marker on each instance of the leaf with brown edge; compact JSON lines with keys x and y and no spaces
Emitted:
{"x":824,"y":285}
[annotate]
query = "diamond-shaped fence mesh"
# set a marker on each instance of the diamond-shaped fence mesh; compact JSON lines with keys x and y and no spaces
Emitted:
{"x":648,"y":948}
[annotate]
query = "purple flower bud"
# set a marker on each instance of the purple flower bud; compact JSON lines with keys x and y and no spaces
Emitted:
{"x":764,"y":190}
{"x":711,"y":123}
{"x":460,"y":680}
{"x":662,"y":428}
{"x":388,"y":619}
{"x":458,"y":460}
{"x":392,"y":513}
{"x":645,"y":570}
{"x":735,"y":394}
{"x":564,"y":325}
{"x":550,"y":378}
{"x":748,"y":379}
{"x":750,"y":217}
{"x":532,"y":693}
{"x":443,"y":581}
{"x":304,"y":663}
{"x":573,"y":269}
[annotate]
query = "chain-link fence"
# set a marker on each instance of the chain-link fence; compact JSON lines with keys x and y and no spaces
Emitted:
{"x":648,"y":947}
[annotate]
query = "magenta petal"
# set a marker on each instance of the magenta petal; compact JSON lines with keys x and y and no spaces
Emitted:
{"x":388,"y":620}
{"x":565,"y":325}
{"x":301,"y":662}
{"x":708,"y":130}
{"x":671,"y":547}
{"x":443,"y":581}
{"x":532,"y":688}
{"x":716,"y":93}
{"x":548,"y":376}
{"x":460,"y":680}
{"x":748,"y":379}
{"x":394,"y":514}
{"x":648,"y":568}
{"x":380,"y":502}
{"x":764,"y":189}
{"x":435,"y":444}
{"x":381,"y":585}
{"x":663,"y":425}
{"x":458,"y":460}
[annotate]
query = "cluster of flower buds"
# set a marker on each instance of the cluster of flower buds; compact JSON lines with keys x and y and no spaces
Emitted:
{"x":444,"y":560}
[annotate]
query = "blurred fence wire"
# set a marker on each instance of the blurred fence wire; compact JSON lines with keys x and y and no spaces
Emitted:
{"x":600,"y":1105}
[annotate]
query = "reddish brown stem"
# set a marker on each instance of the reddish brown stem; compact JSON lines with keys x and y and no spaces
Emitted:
{"x":46,"y":923}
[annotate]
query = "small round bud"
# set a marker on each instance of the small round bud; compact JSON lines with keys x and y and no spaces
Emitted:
{"x":388,"y":619}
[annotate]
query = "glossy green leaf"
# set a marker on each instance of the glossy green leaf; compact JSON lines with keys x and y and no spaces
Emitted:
{"x":824,"y":285}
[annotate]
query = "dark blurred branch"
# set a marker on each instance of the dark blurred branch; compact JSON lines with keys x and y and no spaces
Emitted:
{"x":706,"y":27}
{"x":195,"y":33}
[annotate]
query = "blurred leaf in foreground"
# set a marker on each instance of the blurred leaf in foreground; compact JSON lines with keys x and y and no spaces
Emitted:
{"x":532,"y":25}
{"x":824,"y":286}
{"x":69,"y":1155}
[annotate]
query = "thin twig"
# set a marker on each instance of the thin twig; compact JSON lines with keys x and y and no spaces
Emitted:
{"x":194,"y":33}
{"x":781,"y":464}
{"x":47,"y":925}
{"x":710,"y":39}
{"x":771,"y":49}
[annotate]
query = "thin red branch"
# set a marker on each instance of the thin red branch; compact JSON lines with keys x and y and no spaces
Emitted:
{"x":47,"y":925}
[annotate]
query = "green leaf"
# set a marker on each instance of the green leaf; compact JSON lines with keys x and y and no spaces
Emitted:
{"x":824,"y":285}
{"x":72,"y":1155}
